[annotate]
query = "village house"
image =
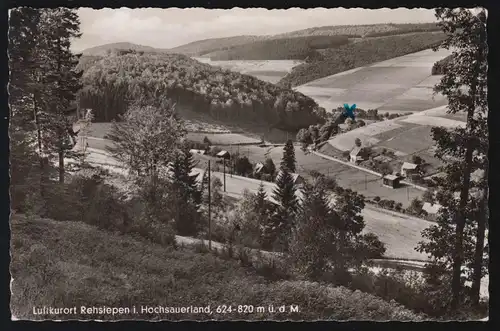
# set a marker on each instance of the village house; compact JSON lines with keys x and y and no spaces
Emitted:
{"x":223,"y":155}
{"x":298,"y":180}
{"x":259,"y":167}
{"x":391,"y":181}
{"x":358,"y":154}
{"x":408,"y":169}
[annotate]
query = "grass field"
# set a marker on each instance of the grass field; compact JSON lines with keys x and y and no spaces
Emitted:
{"x":222,"y":138}
{"x":406,"y":136}
{"x":70,"y":264}
{"x":402,"y":84}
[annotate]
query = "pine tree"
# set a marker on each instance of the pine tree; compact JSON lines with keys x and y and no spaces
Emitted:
{"x":288,"y":206}
{"x":261,"y":200}
{"x":58,"y":27}
{"x":288,"y":159}
{"x":270,"y":167}
{"x":186,"y":194}
{"x":312,"y":238}
{"x":25,"y":89}
{"x":464,"y":84}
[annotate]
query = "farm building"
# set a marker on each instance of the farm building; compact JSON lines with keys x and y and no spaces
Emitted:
{"x":408,"y":169}
{"x":224,"y":154}
{"x":391,"y":181}
{"x":297,"y":179}
{"x":358,"y":154}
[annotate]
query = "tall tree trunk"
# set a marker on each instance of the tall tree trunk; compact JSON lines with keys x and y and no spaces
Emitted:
{"x":464,"y":193}
{"x":39,"y":143}
{"x":480,"y":237}
{"x":61,"y":165}
{"x":464,"y":197}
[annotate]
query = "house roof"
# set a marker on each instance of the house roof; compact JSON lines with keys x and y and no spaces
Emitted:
{"x":259,"y":166}
{"x":223,"y":153}
{"x":391,"y":177}
{"x":356,"y":150}
{"x":408,"y":165}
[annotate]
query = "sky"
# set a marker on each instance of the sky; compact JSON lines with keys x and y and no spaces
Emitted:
{"x":166,"y":28}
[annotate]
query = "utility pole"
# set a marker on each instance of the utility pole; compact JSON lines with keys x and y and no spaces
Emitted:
{"x":209,"y":209}
{"x":224,"y":162}
{"x":365,"y":182}
{"x":408,"y":192}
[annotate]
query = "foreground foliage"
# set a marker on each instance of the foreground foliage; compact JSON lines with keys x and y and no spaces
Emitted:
{"x":76,"y":264}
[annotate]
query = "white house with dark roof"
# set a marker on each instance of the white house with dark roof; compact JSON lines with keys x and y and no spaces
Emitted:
{"x":408,"y":169}
{"x":358,"y":154}
{"x":223,"y":154}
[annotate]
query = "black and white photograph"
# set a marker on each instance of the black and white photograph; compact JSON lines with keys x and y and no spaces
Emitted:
{"x":251,"y":164}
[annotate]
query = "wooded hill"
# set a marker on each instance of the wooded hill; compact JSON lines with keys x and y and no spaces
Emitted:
{"x":361,"y":53}
{"x":103,"y":50}
{"x":203,"y":47}
{"x":109,"y":84}
{"x":296,"y":48}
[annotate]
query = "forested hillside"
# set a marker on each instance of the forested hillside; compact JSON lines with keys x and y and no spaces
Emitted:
{"x":362,"y":53}
{"x":110,"y":82}
{"x":202,"y":47}
{"x":296,"y":48}
{"x":103,"y":50}
{"x":359,"y":31}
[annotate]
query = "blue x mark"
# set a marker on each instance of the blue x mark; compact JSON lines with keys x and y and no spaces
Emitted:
{"x":349,"y":111}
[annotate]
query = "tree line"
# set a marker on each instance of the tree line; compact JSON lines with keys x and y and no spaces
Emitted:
{"x":112,"y":82}
{"x":295,"y":48}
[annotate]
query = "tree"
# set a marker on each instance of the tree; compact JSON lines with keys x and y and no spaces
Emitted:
{"x":288,"y":159}
{"x":59,"y":26}
{"x":25,"y":94}
{"x":185,"y":196}
{"x":207,"y":143}
{"x":357,"y":142}
{"x":145,"y":142}
{"x":347,"y":205}
{"x":417,"y":159}
{"x":312,"y":237}
{"x":242,"y":166}
{"x":270,"y":167}
{"x":288,"y":207}
{"x":464,"y":84}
